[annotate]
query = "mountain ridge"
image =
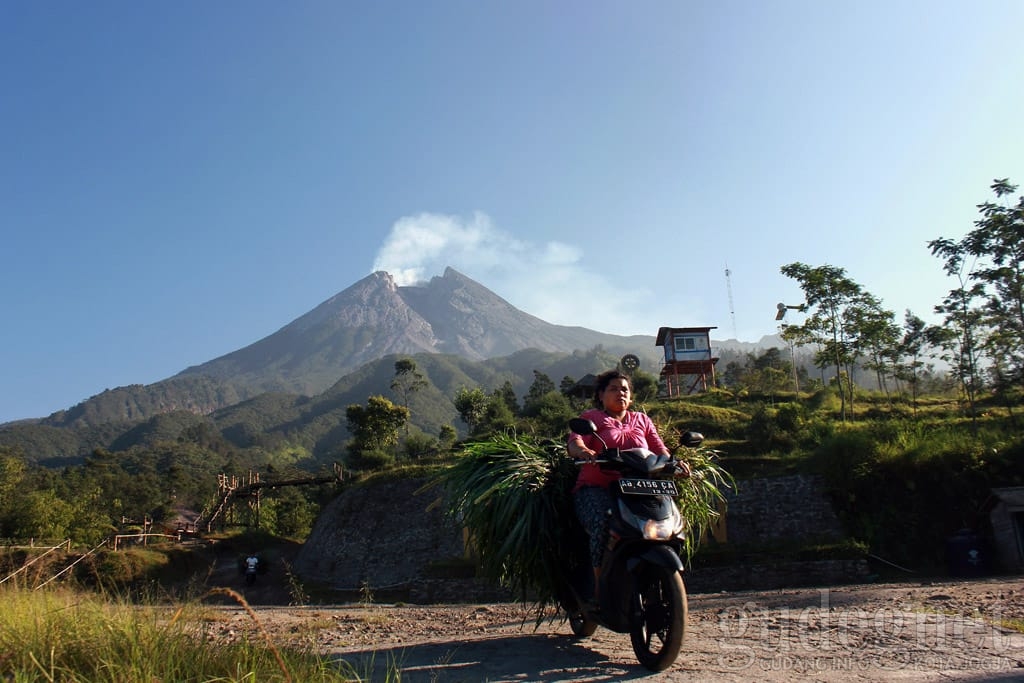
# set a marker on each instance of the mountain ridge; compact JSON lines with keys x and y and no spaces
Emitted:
{"x":371,"y":319}
{"x":375,"y":317}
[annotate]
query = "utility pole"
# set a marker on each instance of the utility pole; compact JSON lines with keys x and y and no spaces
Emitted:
{"x":781,"y":309}
{"x":732,"y":308}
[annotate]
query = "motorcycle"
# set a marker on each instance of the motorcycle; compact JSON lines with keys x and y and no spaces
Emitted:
{"x":641,"y":584}
{"x":250,"y":567}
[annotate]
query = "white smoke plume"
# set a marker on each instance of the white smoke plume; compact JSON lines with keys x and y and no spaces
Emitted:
{"x":552,"y":281}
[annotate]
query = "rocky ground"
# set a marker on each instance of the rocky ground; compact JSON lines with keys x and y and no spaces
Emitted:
{"x":921,"y":631}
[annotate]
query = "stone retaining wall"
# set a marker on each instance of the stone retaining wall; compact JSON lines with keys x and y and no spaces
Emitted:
{"x":391,"y":537}
{"x":772,"y":508}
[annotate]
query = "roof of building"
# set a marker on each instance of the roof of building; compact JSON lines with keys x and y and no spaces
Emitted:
{"x":665,"y":331}
{"x":1011,"y":495}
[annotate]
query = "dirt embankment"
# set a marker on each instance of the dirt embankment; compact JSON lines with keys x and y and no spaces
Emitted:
{"x":942,"y":631}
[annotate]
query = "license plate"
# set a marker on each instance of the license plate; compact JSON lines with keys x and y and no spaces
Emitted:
{"x":649,"y":487}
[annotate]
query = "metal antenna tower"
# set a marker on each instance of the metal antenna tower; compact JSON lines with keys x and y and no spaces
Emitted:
{"x":732,"y":309}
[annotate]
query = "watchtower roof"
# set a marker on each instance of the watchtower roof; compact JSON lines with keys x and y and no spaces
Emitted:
{"x":663,"y":332}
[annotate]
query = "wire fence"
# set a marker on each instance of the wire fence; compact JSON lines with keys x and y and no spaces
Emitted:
{"x":70,"y":566}
{"x":35,"y":559}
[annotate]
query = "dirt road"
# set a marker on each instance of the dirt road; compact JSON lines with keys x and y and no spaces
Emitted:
{"x":944,"y":631}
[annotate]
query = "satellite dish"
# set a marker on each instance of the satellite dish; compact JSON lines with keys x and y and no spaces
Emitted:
{"x":629,"y":362}
{"x":781,"y":306}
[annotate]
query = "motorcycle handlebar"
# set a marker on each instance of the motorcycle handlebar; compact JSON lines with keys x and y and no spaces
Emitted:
{"x":677,"y":466}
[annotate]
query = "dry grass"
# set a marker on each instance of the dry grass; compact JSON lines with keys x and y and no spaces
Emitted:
{"x":78,"y":637}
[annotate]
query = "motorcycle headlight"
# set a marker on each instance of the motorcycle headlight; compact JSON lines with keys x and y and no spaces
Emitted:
{"x":659,"y":530}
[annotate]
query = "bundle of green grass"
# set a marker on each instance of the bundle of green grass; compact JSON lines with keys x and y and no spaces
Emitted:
{"x":513,"y":494}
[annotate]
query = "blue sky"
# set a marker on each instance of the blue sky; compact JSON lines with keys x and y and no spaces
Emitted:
{"x":179,"y":180}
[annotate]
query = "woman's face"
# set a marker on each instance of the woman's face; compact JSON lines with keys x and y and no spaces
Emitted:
{"x":616,"y":396}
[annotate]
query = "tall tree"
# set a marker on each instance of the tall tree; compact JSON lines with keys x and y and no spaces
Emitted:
{"x":794,"y":336}
{"x":907,"y":359}
{"x":877,"y":335}
{"x":963,"y":315}
{"x":997,"y":241}
{"x":508,"y":395}
{"x":12,"y":474}
{"x":408,"y":380}
{"x":471,"y":404}
{"x":828,"y":293}
{"x":541,"y":386}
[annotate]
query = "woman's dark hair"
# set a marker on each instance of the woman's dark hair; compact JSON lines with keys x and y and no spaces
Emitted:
{"x":605,"y":378}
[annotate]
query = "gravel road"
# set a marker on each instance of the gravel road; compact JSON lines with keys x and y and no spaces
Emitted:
{"x":932,"y":631}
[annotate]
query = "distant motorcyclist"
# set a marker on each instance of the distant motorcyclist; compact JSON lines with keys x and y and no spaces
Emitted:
{"x":252,"y":563}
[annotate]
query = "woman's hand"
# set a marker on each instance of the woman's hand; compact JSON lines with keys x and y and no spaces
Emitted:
{"x":683,"y":469}
{"x":580,"y":452}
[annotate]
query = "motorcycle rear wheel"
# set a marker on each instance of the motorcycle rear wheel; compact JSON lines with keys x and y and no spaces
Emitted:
{"x":659,"y":620}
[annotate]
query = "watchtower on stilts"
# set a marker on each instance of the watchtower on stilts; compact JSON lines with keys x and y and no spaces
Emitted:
{"x":688,"y":366}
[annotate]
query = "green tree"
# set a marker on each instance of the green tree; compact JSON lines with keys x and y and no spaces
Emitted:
{"x":997,"y":241}
{"x":907,"y":359}
{"x":497,"y":417}
{"x":645,"y":386}
{"x":40,"y":513}
{"x":376,"y":426}
{"x":963,"y":316}
{"x":878,"y":336}
{"x":407,"y":381}
{"x":541,"y":386}
{"x":549,"y":414}
{"x":419,"y":445}
{"x":447,"y":435}
{"x":12,"y":476}
{"x":294,"y":513}
{"x":794,"y":336}
{"x":732,"y":375}
{"x":471,"y":405}
{"x":12,"y":472}
{"x":829,"y":293}
{"x":507,"y":394}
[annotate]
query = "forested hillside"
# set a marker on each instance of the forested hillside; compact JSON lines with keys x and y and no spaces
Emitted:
{"x":317,"y":425}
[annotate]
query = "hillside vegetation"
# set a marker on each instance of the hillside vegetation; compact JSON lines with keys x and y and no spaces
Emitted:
{"x":903,"y":475}
{"x":906,"y":464}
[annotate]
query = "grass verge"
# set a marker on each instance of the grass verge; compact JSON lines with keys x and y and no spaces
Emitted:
{"x":75,"y":636}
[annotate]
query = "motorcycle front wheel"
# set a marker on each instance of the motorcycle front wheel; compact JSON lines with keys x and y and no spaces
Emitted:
{"x":659,"y":620}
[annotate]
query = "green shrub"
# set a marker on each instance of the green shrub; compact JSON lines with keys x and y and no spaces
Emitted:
{"x":775,"y":428}
{"x":416,"y":446}
{"x":713,"y":421}
{"x":904,"y":487}
{"x":824,"y":401}
{"x":845,"y":455}
{"x":370,"y":460}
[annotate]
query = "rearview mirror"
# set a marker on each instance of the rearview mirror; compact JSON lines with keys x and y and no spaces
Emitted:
{"x":581,"y":426}
{"x":691,"y":439}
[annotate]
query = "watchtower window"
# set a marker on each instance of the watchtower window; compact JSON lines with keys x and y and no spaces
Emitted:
{"x":685,"y":343}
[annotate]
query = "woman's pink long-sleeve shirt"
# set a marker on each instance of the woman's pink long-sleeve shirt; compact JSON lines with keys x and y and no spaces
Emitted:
{"x":635,"y":431}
